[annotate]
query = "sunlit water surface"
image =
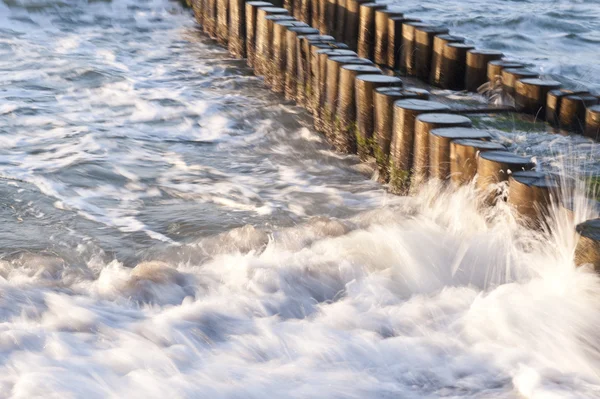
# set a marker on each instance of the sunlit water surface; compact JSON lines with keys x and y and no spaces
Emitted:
{"x":169,"y":228}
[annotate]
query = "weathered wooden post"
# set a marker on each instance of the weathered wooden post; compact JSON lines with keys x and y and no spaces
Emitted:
{"x":340,"y":27}
{"x":380,"y":42}
{"x":352,"y":22}
{"x":402,"y":145}
{"x":331,"y":17}
{"x":477,"y":64}
{"x":494,"y":69}
{"x":365,"y":87}
{"x":279,"y":56}
{"x":573,"y":111}
{"x":531,"y":95}
{"x":463,"y":158}
{"x":321,"y":85}
{"x":454,"y":65}
{"x":383,"y":114}
{"x":511,"y":75}
{"x":592,"y":122}
{"x":494,"y":167}
{"x":424,"y":37}
{"x":439,"y":41}
{"x":366,"y":29}
{"x":265,"y":52}
{"x":439,"y":147}
{"x":222,"y":22}
{"x":588,"y":245}
{"x":237,"y":28}
{"x":345,"y":127}
{"x":407,"y":57}
{"x":313,"y":80}
{"x":303,"y":65}
{"x":424,"y":124}
{"x":291,"y":67}
{"x":210,"y":18}
{"x":251,"y":14}
{"x":394,"y":51}
{"x":531,"y":194}
{"x":334,"y":64}
{"x":264,"y":36}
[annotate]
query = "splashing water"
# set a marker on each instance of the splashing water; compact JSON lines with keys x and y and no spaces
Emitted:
{"x":170,"y":228}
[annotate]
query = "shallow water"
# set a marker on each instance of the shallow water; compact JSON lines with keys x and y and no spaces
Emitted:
{"x":170,"y":227}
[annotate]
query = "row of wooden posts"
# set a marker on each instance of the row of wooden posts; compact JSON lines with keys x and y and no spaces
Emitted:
{"x":343,"y":68}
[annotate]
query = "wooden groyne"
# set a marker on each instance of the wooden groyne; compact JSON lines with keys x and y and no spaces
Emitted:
{"x":348,"y":63}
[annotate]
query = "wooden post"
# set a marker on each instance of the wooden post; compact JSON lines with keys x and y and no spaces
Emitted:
{"x":531,"y":194}
{"x":379,"y":43}
{"x":511,"y":75}
{"x":424,"y":37}
{"x":365,"y":86}
{"x":334,"y":64}
{"x":454,"y":65}
{"x":279,"y":57}
{"x":366,"y":28}
{"x":331,"y":17}
{"x":222,"y":22}
{"x":345,"y":126}
{"x":592,"y":122}
{"x":291,"y":68}
{"x":312,"y":78}
{"x":494,"y":68}
{"x":197,"y":9}
{"x":573,"y":111}
{"x":251,"y":13}
{"x":439,"y":147}
{"x":477,"y":64}
{"x":319,"y":109}
{"x":531,"y":95}
{"x":237,"y":28}
{"x":394,"y":51}
{"x":340,"y":13}
{"x":383,"y":114}
{"x":352,"y":22}
{"x":553,"y":101}
{"x":265,"y":52}
{"x":463,"y":158}
{"x":210,"y":18}
{"x":439,"y":41}
{"x":264,"y":37}
{"x":303,"y":63}
{"x":494,"y":167}
{"x":401,"y":149}
{"x":424,"y":124}
{"x":407,"y":60}
{"x":588,"y":245}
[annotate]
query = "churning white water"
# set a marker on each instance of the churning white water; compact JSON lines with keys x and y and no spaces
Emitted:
{"x":168,"y":228}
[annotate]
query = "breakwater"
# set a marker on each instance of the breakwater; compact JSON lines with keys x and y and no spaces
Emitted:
{"x":343,"y":61}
